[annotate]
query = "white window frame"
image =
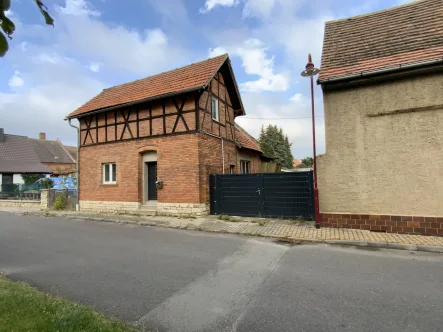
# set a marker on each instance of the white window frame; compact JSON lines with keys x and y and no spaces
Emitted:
{"x":111,"y":173}
{"x":245,"y":167}
{"x":217,"y":117}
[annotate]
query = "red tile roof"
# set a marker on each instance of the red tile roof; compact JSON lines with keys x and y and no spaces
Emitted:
{"x":296,"y":162}
{"x":187,"y":78}
{"x":245,"y":140}
{"x":407,"y":34}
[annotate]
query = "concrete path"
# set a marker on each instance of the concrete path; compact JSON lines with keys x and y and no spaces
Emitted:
{"x":170,"y":280}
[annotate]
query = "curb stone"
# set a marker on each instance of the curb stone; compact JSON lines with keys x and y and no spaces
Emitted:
{"x":401,"y":246}
{"x":348,"y":242}
{"x":436,"y":249}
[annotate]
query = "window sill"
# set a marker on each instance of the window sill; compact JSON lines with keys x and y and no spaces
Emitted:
{"x":109,"y":184}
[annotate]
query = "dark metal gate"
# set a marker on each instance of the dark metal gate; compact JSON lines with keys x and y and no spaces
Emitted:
{"x":287,"y":195}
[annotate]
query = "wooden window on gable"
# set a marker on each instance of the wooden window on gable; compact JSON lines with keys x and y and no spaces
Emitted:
{"x":214,"y":108}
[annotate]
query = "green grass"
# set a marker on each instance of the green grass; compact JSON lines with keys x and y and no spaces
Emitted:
{"x":23,"y":308}
{"x":228,"y":218}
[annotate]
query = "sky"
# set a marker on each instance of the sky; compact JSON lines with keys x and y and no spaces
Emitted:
{"x":50,"y":71}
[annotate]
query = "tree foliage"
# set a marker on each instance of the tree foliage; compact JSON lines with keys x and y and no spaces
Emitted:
{"x":275,"y":144}
{"x":31,"y":178}
{"x":8,"y":27}
{"x":306,"y":162}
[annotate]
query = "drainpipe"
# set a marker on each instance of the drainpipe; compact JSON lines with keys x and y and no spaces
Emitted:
{"x":222,"y":145}
{"x":77,"y":205}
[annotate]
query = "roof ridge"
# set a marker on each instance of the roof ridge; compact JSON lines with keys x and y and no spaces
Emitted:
{"x":168,"y":71}
{"x":42,"y":140}
{"x":16,"y":135}
{"x":414,"y":2}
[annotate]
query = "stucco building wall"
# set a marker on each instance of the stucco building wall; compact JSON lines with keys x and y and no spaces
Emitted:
{"x":385,"y":164}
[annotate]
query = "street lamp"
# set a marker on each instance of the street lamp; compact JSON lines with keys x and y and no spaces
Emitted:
{"x":311,"y":71}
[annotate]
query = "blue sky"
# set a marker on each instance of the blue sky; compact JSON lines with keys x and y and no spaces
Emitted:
{"x":49,"y":72}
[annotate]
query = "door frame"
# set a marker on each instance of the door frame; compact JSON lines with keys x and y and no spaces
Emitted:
{"x":149,"y":156}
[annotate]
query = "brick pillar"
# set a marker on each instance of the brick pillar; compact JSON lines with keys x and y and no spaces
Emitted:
{"x":44,"y":199}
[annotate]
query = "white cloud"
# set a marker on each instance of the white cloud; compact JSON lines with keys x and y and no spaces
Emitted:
{"x":16,"y":81}
{"x":216,"y":51}
{"x":211,"y":4}
{"x":119,"y":48}
{"x":256,"y":61}
{"x":78,"y":8}
{"x":95,"y":66}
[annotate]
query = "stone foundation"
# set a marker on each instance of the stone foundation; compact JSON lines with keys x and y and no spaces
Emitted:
{"x":385,"y":223}
{"x":20,"y":203}
{"x":182,"y":209}
{"x":109,"y":206}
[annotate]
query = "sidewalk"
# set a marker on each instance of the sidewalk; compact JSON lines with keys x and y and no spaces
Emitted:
{"x":285,"y":230}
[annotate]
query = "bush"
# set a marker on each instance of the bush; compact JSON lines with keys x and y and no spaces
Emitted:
{"x":60,"y":202}
{"x":47,"y":183}
{"x":32,"y":178}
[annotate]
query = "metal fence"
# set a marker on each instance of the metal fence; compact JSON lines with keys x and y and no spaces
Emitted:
{"x":280,"y":195}
{"x":68,"y":197}
{"x":20,"y":191}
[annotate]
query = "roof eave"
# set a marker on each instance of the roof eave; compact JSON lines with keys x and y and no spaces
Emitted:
{"x":106,"y":109}
{"x":388,"y":70}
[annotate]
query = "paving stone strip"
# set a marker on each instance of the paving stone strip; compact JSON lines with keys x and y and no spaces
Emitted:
{"x":287,"y":230}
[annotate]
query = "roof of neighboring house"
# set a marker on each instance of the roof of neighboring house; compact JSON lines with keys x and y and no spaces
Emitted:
{"x":296,"y":162}
{"x":245,"y":140}
{"x":72,"y":150}
{"x":17,"y":155}
{"x":189,"y":78}
{"x":51,"y":151}
{"x":387,"y":39}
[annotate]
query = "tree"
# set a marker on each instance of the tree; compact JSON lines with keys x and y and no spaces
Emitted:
{"x":275,"y":144}
{"x":8,"y":26}
{"x":306,"y":162}
{"x":31,"y":178}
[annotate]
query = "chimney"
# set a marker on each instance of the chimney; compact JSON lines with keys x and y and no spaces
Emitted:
{"x":42,"y":136}
{"x":2,"y":135}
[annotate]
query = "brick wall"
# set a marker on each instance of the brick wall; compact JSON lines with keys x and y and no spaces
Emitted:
{"x":177,"y":164}
{"x":385,"y":223}
{"x":20,"y":203}
{"x":253,"y":157}
{"x":211,"y":161}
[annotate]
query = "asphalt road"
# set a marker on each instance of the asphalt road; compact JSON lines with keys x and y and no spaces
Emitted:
{"x":170,"y":280}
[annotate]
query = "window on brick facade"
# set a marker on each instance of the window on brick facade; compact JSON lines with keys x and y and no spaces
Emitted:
{"x":245,"y":167}
{"x":232,"y":169}
{"x":109,"y":173}
{"x":214,"y":108}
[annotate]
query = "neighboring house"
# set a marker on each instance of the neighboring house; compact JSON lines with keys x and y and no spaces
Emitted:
{"x":54,"y":155}
{"x":382,"y":81}
{"x":155,"y":141}
{"x":17,"y":157}
{"x":296,"y":162}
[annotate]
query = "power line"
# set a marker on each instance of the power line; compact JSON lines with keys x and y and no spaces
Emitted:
{"x":304,"y":117}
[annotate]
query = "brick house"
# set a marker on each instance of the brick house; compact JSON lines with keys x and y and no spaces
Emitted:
{"x":151,"y":144}
{"x":382,"y":81}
